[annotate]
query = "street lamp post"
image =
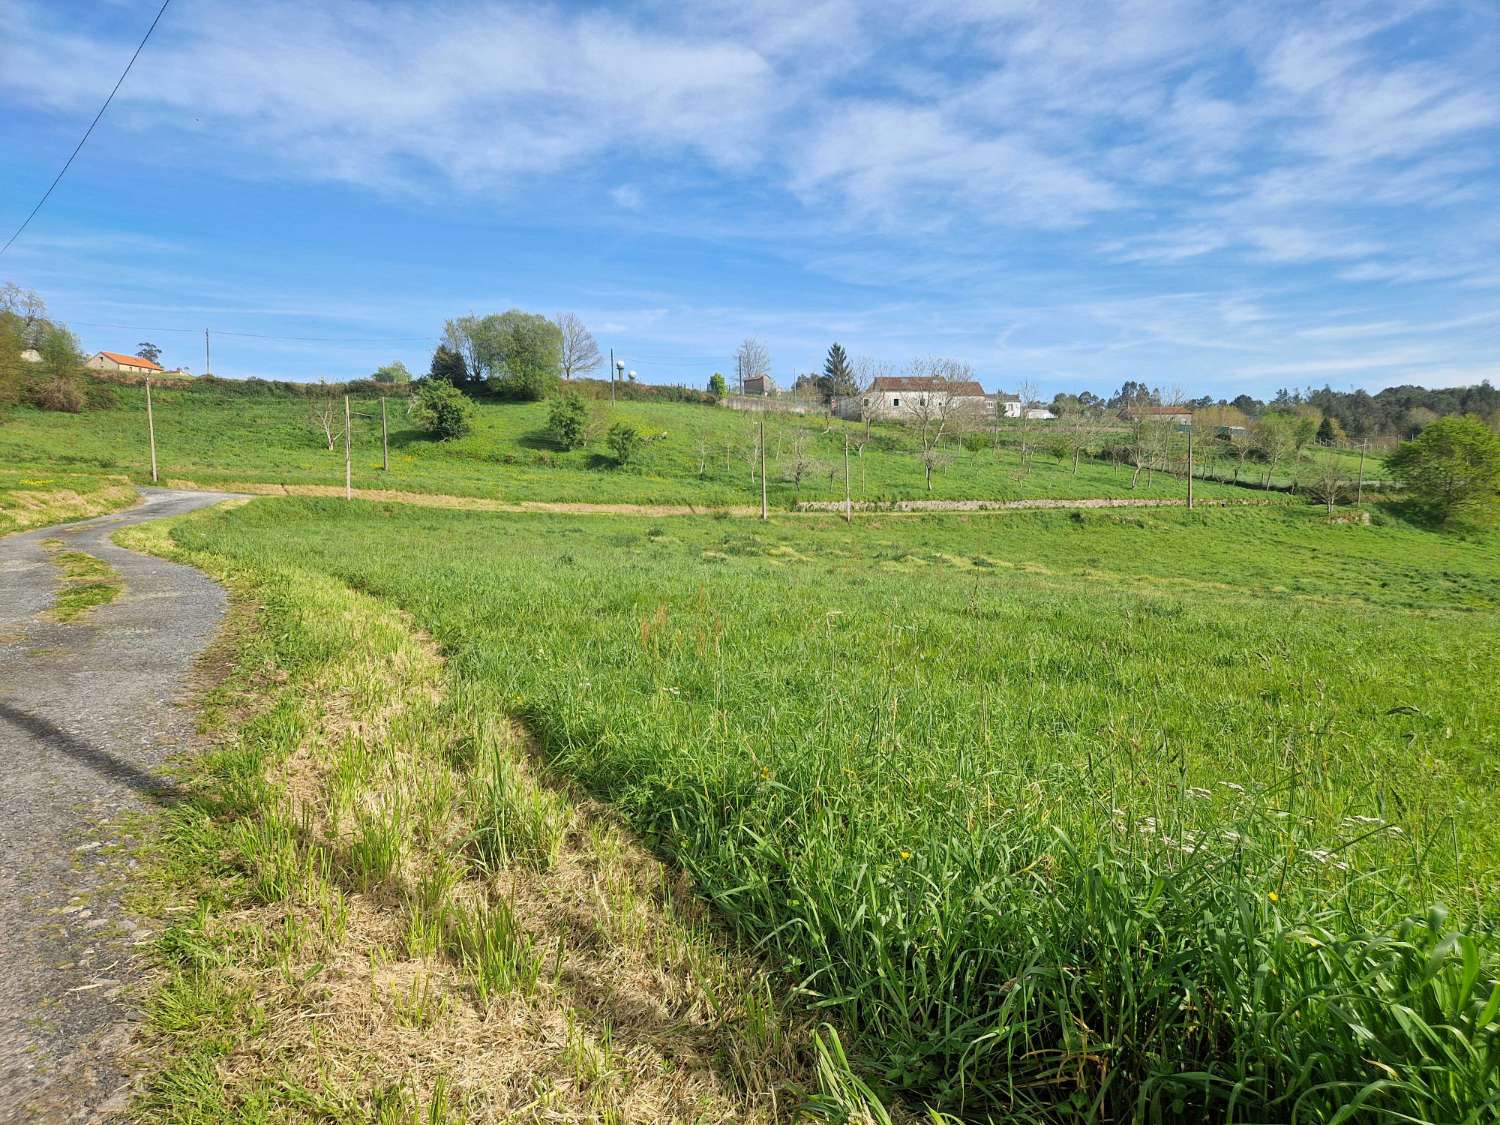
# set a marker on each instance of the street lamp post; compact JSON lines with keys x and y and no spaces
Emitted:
{"x":619,"y":372}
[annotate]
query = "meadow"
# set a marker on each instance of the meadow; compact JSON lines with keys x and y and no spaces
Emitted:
{"x":694,"y":455}
{"x":41,"y":495}
{"x":1146,"y":816}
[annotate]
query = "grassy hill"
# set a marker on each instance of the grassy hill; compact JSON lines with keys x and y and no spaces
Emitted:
{"x":701,"y":455}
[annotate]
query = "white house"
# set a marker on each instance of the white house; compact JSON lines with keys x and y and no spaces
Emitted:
{"x":31,"y":355}
{"x":905,"y":396}
{"x":1008,"y":406}
{"x":129,"y":364}
{"x":1040,"y":414}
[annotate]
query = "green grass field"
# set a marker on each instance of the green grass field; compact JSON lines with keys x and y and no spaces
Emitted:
{"x":1158,"y":816}
{"x":700,"y":455}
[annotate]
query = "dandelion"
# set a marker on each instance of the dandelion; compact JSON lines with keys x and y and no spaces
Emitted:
{"x":905,"y":854}
{"x":1274,"y":897}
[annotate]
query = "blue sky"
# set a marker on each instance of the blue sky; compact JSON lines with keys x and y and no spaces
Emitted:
{"x":1071,"y":193}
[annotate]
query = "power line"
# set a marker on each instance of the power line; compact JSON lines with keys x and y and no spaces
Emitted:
{"x":87,"y":132}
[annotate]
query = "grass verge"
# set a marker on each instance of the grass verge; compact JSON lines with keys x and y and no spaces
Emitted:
{"x":41,"y":498}
{"x":87,"y":582}
{"x":384,"y":909}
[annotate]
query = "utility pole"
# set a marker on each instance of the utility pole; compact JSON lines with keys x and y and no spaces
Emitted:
{"x":151,"y":429}
{"x":1359,"y":489}
{"x":348,"y":467}
{"x":764,"y":514}
{"x":208,"y":360}
{"x":848,"y":500}
{"x":1190,"y":466}
{"x":611,"y":374}
{"x":385,"y":441}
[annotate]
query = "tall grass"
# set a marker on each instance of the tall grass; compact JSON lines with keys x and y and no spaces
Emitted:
{"x":1146,"y":818}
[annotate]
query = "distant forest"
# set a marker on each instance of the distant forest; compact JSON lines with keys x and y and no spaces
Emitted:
{"x":1395,"y":412}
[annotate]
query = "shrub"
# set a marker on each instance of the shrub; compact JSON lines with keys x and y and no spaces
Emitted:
{"x":1452,"y":470}
{"x":60,"y":392}
{"x":442,"y":410}
{"x":624,"y":442}
{"x":568,"y":420}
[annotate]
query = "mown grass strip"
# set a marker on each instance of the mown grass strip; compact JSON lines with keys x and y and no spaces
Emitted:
{"x":87,"y":582}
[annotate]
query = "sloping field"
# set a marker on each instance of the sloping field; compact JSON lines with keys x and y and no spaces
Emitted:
{"x":698,"y":455}
{"x":1111,"y":815}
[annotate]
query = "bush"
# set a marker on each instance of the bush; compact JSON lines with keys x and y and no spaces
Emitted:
{"x":59,"y":393}
{"x":442,"y":410}
{"x":568,"y":421}
{"x":624,"y":442}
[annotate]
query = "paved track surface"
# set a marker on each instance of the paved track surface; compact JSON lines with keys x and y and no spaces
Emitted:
{"x":88,"y":712}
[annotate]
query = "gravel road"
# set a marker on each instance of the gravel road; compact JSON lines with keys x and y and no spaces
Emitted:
{"x":88,"y":712}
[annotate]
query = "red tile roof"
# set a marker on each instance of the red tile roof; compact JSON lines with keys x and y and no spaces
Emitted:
{"x":958,"y":388}
{"x":131,"y":361}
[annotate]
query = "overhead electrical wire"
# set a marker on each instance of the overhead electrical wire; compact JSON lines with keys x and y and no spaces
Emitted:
{"x":89,"y":131}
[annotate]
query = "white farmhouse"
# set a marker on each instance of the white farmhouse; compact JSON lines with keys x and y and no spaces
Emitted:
{"x":907,"y":396}
{"x":118,"y":361}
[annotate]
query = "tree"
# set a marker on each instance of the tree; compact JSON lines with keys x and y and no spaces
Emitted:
{"x":464,"y":337}
{"x":326,"y":414}
{"x":801,"y":464}
{"x":624,"y":442}
{"x":838,"y":376}
{"x":717,"y":386}
{"x":936,"y":411}
{"x":521,"y":354}
{"x":392,"y":373}
{"x":148,"y":350}
{"x":1329,"y":480}
{"x":1452,"y":471}
{"x":56,"y":385}
{"x":448,"y":365}
{"x":580,"y":352}
{"x":568,"y":420}
{"x":1275,"y":437}
{"x":442,"y":410}
{"x":1077,"y":431}
{"x":752,"y":358}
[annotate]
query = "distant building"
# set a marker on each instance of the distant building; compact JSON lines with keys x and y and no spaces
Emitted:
{"x":1040,"y":413}
{"x":129,"y":364}
{"x":1007,"y":406}
{"x":762,"y":386}
{"x":1179,"y":414}
{"x":902,"y":396}
{"x":31,"y":355}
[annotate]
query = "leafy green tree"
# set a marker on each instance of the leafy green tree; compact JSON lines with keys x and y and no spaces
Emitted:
{"x":717,"y":386}
{"x":568,"y":421}
{"x":625,"y":442}
{"x":147,"y":350}
{"x":442,"y":410}
{"x":448,"y":365}
{"x":838,"y":376}
{"x":1452,"y":470}
{"x":58,"y":382}
{"x":522,"y":353}
{"x":392,"y":373}
{"x":12,"y":366}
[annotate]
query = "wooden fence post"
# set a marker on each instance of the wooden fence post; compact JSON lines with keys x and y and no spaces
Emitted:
{"x":764,"y":513}
{"x":348,"y":468}
{"x":151,"y":429}
{"x":385,"y":442}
